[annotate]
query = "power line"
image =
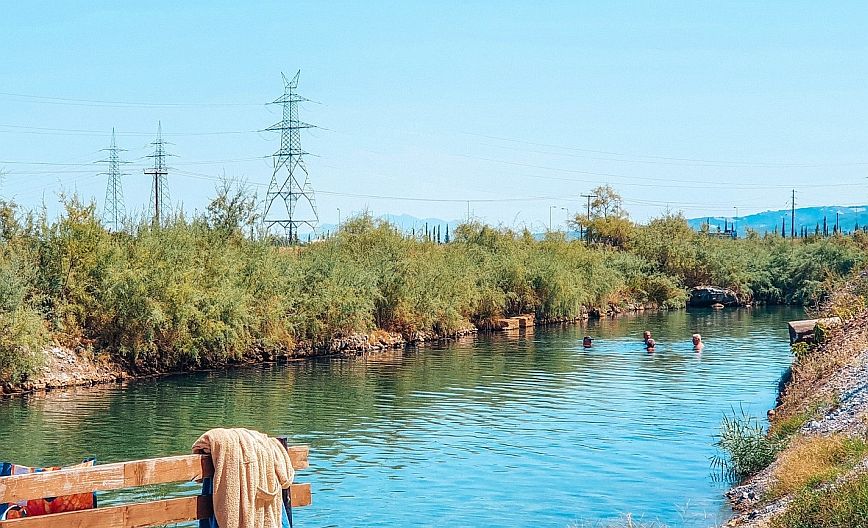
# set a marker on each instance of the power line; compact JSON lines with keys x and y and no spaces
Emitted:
{"x":394,"y":197}
{"x":198,"y":162}
{"x":700,"y":184}
{"x":636,"y":157}
{"x":685,"y":163}
{"x":120,"y":104}
{"x":24,"y":129}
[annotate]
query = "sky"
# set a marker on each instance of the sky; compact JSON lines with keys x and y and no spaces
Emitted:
{"x":516,"y":107}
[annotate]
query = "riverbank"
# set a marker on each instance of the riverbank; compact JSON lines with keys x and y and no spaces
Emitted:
{"x":63,"y":367}
{"x":204,"y":291}
{"x":819,"y":476}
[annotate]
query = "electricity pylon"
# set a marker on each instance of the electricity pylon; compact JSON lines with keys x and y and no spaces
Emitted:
{"x":114,"y":210}
{"x":160,"y":201}
{"x":290,"y":201}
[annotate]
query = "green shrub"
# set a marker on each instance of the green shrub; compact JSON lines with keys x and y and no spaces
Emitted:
{"x":208,"y":289}
{"x":821,"y":333}
{"x":22,"y":338}
{"x":845,"y":506}
{"x":787,"y":427}
{"x":801,"y":350}
{"x":745,"y":448}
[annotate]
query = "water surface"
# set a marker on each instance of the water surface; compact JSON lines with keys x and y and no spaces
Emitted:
{"x":528,"y":430}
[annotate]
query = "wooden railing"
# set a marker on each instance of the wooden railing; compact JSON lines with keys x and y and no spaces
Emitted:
{"x":120,"y":475}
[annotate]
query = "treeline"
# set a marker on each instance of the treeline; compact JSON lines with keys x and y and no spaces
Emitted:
{"x":198,"y":291}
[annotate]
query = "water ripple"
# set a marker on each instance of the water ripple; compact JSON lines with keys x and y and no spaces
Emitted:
{"x":502,"y":431}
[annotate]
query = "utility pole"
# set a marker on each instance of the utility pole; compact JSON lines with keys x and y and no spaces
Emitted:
{"x":160,"y":203}
{"x":735,"y":223}
{"x":793,"y":216}
{"x":550,"y":216}
{"x":113,"y":210}
{"x":588,"y":227}
{"x":281,"y":200}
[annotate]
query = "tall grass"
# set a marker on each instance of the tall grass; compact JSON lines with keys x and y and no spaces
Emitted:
{"x":745,"y":448}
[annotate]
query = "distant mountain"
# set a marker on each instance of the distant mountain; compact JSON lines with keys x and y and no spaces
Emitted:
{"x":766,"y":222}
{"x":848,"y":218}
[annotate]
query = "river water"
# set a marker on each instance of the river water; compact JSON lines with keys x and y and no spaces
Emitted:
{"x":529,"y":430}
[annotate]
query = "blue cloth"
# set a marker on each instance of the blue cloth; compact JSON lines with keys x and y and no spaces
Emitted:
{"x":211,"y":522}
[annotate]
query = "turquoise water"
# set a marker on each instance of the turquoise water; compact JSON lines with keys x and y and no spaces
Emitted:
{"x":529,"y":430}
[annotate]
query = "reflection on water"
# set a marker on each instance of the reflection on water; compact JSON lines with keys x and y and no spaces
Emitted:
{"x":500,"y":431}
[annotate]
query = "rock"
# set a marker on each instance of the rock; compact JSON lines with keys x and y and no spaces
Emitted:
{"x":704,"y":296}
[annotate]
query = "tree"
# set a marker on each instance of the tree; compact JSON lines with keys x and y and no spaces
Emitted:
{"x":607,"y":203}
{"x":233,"y":209}
{"x":608,"y":223}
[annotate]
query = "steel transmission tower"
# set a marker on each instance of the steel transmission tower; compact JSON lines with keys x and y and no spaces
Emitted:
{"x":289,"y":203}
{"x":160,"y":202}
{"x":114,"y":210}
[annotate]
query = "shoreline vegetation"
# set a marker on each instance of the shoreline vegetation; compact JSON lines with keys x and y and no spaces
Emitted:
{"x":210,"y":290}
{"x":809,"y":469}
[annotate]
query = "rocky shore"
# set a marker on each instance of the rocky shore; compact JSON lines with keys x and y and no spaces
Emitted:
{"x":65,"y":367}
{"x":829,"y":388}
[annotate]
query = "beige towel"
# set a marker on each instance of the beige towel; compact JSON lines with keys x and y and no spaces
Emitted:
{"x":250,"y":471}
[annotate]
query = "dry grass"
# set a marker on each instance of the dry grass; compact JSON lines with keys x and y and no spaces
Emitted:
{"x":812,"y":371}
{"x":627,"y":521}
{"x":811,"y":461}
{"x":845,"y":506}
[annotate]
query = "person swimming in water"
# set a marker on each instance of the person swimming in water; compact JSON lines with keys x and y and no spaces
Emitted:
{"x":697,"y":342}
{"x":646,"y":335}
{"x":587,"y":342}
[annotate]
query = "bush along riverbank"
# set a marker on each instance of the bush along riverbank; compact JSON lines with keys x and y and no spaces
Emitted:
{"x":211,"y":290}
{"x":810,"y":469}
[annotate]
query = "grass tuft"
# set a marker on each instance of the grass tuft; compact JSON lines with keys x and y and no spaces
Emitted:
{"x":845,"y":506}
{"x":745,"y":448}
{"x":811,"y":461}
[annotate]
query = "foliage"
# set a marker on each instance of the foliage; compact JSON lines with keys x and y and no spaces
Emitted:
{"x":801,"y":350}
{"x":843,"y":506}
{"x":745,"y":448}
{"x":22,"y":336}
{"x":607,"y":221}
{"x":22,"y":330}
{"x":204,"y":290}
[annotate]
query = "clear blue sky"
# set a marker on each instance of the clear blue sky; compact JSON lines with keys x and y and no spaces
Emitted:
{"x":700,"y":105}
